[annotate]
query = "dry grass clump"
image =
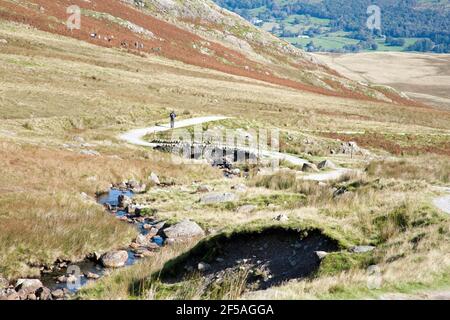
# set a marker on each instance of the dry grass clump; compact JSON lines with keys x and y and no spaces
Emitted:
{"x":43,"y":215}
{"x":433,"y":169}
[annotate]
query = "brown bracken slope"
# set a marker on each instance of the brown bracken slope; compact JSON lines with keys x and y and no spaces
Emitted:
{"x":169,"y":41}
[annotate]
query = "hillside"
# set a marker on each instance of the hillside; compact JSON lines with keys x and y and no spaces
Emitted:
{"x":423,"y":77}
{"x":194,"y":32}
{"x":341,"y":25}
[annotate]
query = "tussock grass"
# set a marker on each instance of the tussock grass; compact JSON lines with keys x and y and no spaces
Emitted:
{"x":43,"y":215}
{"x":433,"y":169}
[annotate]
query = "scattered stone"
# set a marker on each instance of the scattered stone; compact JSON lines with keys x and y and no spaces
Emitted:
{"x":321,"y":254}
{"x":142,"y":240}
{"x":169,"y":242}
{"x":184,"y":229}
{"x":236,"y":172}
{"x":9,"y":295}
{"x":78,"y":139}
{"x":239,"y":188}
{"x":309,"y":167}
{"x":114,"y":259}
{"x":282,"y":218}
{"x":362,"y":249}
{"x":204,"y":188}
{"x":91,"y":275}
{"x":218,"y":198}
{"x":31,"y":297}
{"x":154,"y":178}
{"x":326,"y":164}
{"x":123,"y":201}
{"x":94,"y":256}
{"x":247,"y":208}
{"x":58,"y":294}
{"x":159,"y":225}
{"x":152,"y":232}
{"x":44,"y":293}
{"x":87,"y":152}
{"x":28,"y":285}
{"x":202,"y":266}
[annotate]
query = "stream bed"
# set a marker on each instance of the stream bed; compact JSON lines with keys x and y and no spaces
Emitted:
{"x":90,"y":268}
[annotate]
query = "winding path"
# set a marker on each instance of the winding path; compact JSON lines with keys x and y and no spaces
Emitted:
{"x":136,"y":137}
{"x":443,"y":203}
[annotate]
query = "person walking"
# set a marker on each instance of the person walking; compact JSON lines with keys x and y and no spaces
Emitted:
{"x":172,"y":119}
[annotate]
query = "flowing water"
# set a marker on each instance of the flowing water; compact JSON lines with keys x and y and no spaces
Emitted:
{"x":80,"y":269}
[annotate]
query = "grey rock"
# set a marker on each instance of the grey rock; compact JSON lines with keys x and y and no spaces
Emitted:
{"x":247,"y":208}
{"x":184,"y":229}
{"x":154,"y":178}
{"x":326,"y":164}
{"x":309,"y":167}
{"x":58,"y":294}
{"x":202,"y":266}
{"x":123,"y":201}
{"x":114,"y":259}
{"x":362,"y":249}
{"x":28,"y":285}
{"x":88,"y":152}
{"x":44,"y":293}
{"x":321,"y":254}
{"x":281,"y":218}
{"x":91,"y":275}
{"x":239,"y":188}
{"x":218,"y":198}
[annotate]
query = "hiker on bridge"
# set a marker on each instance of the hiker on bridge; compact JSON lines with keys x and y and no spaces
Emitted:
{"x":172,"y":119}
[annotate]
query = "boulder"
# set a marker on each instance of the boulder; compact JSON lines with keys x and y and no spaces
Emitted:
{"x":326,"y":164}
{"x":3,"y":42}
{"x":218,"y":198}
{"x":239,"y":187}
{"x":321,"y":254}
{"x":247,"y":208}
{"x":91,"y":275}
{"x":184,"y":229}
{"x":309,"y":167}
{"x":281,"y":218}
{"x":202,"y":266}
{"x":44,"y":293}
{"x":123,"y":201}
{"x":154,"y":178}
{"x":9,"y":295}
{"x":362,"y":249}
{"x":26,"y":286}
{"x":58,"y":294}
{"x":204,"y":188}
{"x":142,"y":240}
{"x":114,"y":259}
